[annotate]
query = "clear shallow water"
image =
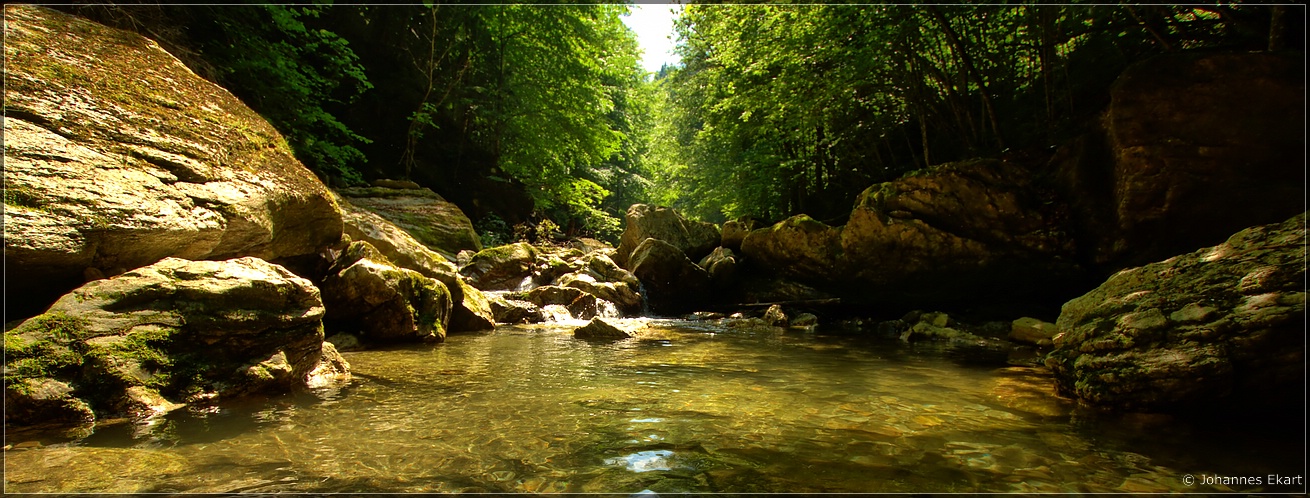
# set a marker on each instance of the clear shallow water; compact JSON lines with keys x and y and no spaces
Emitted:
{"x":530,"y":409}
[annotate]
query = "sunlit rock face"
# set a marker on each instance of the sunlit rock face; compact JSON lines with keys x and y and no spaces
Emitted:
{"x":1220,"y":324}
{"x":1194,"y":147}
{"x":173,"y":332}
{"x":954,"y":232}
{"x":532,"y":284}
{"x":599,"y":328}
{"x":507,"y":267}
{"x":116,"y":156}
{"x":471,"y":310}
{"x":430,"y":219}
{"x":364,"y":292}
{"x":694,"y":239}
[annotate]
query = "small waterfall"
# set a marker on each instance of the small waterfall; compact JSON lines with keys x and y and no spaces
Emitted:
{"x":557,"y":313}
{"x":606,"y":309}
{"x":645,"y":302}
{"x":526,"y":285}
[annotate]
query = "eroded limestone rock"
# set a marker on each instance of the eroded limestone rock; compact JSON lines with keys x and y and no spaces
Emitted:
{"x":693,"y":238}
{"x":365,"y":292}
{"x":953,"y":233}
{"x":436,"y":223}
{"x":470,"y":310}
{"x":151,"y":162}
{"x":173,"y":332}
{"x":501,"y":268}
{"x":1219,"y":325}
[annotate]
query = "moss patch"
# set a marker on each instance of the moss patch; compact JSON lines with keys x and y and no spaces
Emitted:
{"x":25,"y":197}
{"x":44,"y":346}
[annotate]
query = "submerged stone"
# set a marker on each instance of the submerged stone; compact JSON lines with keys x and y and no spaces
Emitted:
{"x":599,"y":328}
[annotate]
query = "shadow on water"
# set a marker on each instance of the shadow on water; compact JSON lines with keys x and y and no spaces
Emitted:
{"x":529,"y":410}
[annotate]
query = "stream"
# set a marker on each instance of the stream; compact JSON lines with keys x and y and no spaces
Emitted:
{"x":691,"y":406}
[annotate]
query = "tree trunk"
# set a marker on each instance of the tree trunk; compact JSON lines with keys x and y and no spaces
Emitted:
{"x":1277,"y":28}
{"x":972,"y":71}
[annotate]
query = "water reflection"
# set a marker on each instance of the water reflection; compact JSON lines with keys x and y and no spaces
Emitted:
{"x":529,"y":409}
{"x":643,"y":461}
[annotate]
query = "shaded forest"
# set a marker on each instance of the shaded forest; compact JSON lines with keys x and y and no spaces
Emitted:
{"x":522,"y":114}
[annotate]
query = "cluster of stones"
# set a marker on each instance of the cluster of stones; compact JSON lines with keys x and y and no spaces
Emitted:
{"x":198,"y":260}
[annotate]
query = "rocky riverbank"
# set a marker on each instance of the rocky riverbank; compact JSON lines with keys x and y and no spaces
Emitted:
{"x":164,"y":248}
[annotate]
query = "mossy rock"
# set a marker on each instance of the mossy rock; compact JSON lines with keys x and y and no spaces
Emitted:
{"x":436,"y":223}
{"x":502,"y":267}
{"x":146,"y":161}
{"x":174,"y":331}
{"x":385,"y":303}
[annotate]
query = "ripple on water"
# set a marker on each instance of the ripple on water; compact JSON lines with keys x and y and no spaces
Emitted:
{"x":643,"y":461}
{"x":529,"y":409}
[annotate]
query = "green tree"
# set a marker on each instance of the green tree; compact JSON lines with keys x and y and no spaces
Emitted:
{"x":782,"y":109}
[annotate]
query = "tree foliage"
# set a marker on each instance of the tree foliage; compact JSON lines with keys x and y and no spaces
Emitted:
{"x":549,"y":99}
{"x":785,"y":109}
{"x":545,"y":100}
{"x":535,"y":112}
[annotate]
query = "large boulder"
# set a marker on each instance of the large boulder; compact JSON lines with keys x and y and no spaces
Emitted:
{"x":798,"y":247}
{"x":694,"y":238}
{"x":365,"y":292}
{"x":734,"y":231}
{"x":430,"y":219}
{"x":116,"y":156}
{"x":1218,"y":137}
{"x":600,"y":329}
{"x":1030,"y":330}
{"x":471,"y":310}
{"x":173,"y":332}
{"x":722,"y":267}
{"x":580,"y":304}
{"x":955,"y":233}
{"x":515,"y":310}
{"x":623,"y":296}
{"x":598,"y":275}
{"x":1222,"y":326}
{"x":602,"y":268}
{"x":673,"y":283}
{"x":504,"y":267}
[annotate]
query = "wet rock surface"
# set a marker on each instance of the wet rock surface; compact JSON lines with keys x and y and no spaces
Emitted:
{"x":1220,"y":325}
